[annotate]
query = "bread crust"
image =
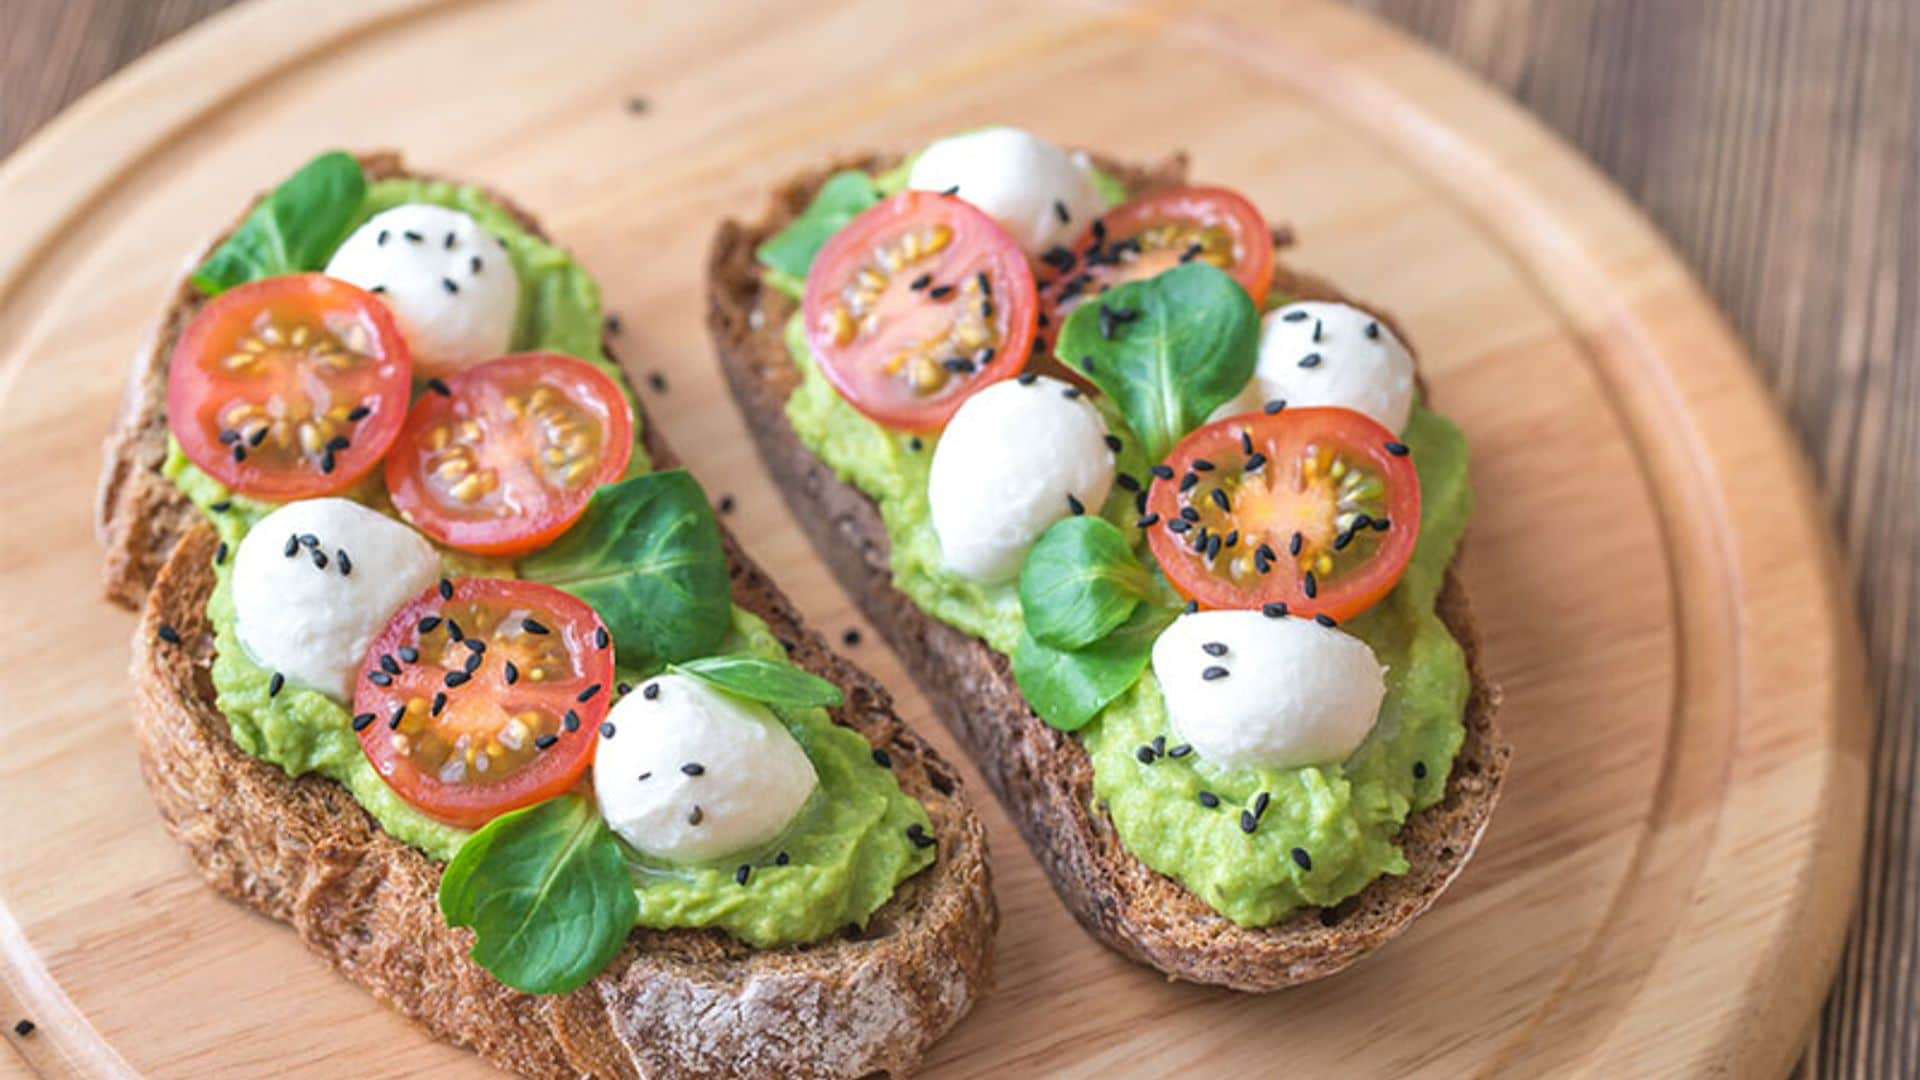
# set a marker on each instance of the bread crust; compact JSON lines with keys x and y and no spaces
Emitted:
{"x":1043,"y":776}
{"x":681,"y":1002}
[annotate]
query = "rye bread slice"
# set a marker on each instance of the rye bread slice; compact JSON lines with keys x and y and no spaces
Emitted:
{"x":683,"y":1002}
{"x":1042,"y":776}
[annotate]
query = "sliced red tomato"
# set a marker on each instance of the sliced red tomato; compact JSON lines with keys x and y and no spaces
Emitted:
{"x":289,"y":387}
{"x":1156,"y":232}
{"x":1317,"y":509}
{"x":917,"y":304}
{"x":481,"y":696}
{"x":502,"y":457}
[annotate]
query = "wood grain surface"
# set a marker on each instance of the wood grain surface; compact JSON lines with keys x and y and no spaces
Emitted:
{"x":1773,"y":141}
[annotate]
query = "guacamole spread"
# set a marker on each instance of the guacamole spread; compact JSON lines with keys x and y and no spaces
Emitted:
{"x":1341,"y":818}
{"x":846,"y":850}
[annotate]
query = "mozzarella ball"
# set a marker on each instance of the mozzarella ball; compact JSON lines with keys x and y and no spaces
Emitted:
{"x":688,"y":773}
{"x":312,"y":614}
{"x":1316,"y":353}
{"x":448,"y":282}
{"x":1004,"y":470}
{"x":1249,"y":691}
{"x":1016,"y":179}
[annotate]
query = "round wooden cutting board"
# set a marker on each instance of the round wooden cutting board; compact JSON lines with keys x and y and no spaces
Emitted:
{"x":1664,"y":887}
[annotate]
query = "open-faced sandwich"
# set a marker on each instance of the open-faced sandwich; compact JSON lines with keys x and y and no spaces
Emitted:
{"x":445,"y":664}
{"x":1164,"y":529}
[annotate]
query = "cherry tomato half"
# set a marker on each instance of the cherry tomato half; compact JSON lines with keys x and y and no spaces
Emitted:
{"x":917,"y":304}
{"x":289,"y":387}
{"x":1315,"y":508}
{"x":502,"y":457}
{"x":486,"y":702}
{"x":1156,"y":232}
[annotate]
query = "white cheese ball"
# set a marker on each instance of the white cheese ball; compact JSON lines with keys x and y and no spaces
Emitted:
{"x":448,"y":282}
{"x":1355,"y":363}
{"x":1293,"y":692}
{"x":311,"y":615}
{"x":1004,"y":468}
{"x":688,"y":773}
{"x":1015,"y":178}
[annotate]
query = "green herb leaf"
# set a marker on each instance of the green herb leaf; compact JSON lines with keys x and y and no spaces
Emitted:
{"x":839,"y":200}
{"x":762,"y":680}
{"x":647,"y":556}
{"x":1079,"y":582}
{"x":294,"y":229}
{"x":548,"y":896}
{"x":1190,"y":343}
{"x":1070,"y":687}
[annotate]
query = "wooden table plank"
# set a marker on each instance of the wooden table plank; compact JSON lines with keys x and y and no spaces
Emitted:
{"x":1773,"y":140}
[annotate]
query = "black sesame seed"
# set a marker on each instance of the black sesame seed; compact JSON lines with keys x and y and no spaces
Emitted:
{"x":920,"y":282}
{"x":1202,"y":465}
{"x":453,"y":631}
{"x":1147,"y":522}
{"x":457,"y":678}
{"x":1209,"y":800}
{"x":1274,"y":406}
{"x":1164,"y":472}
{"x":1248,"y":822}
{"x":449,"y":284}
{"x":228,"y":438}
{"x":1187,"y":481}
{"x":1274,"y":610}
{"x":381,"y":239}
{"x":1255,"y":463}
{"x":1419,"y":770}
{"x":917,"y":833}
{"x":882,"y":758}
{"x":787,"y":644}
{"x":1310,"y":585}
{"x":740,"y":875}
{"x":1219,"y":497}
{"x":1325,"y":619}
{"x":623,"y":688}
{"x":1191,"y":606}
{"x":413,"y":237}
{"x":1026,"y":378}
{"x":696,"y":816}
{"x":399,"y":714}
{"x":1293,"y":316}
{"x":1260,"y":804}
{"x":726,"y":504}
{"x":1381,"y":524}
{"x":601,"y":639}
{"x":220,"y":554}
{"x":606,"y":729}
{"x":1373,"y":329}
{"x":571,"y":721}
{"x":940,"y":292}
{"x":950,"y":190}
{"x":346,"y":564}
{"x":1294,"y":544}
{"x":512,"y":673}
{"x":1074,"y":505}
{"x":1316,"y":331}
{"x":1214,"y":671}
{"x":408,"y":653}
{"x":168,"y":634}
{"x":533,"y":626}
{"x":1397,"y":449}
{"x":338,"y":442}
{"x":1193,"y":252}
{"x":1178,"y":525}
{"x":1301,"y":859}
{"x":388,"y":664}
{"x":850,"y":637}
{"x":378,"y":289}
{"x":220,"y":507}
{"x":1159,"y":744}
{"x":379,"y":678}
{"x":427,"y":625}
{"x":1086,"y":363}
{"x":326,"y":461}
{"x":259,"y":436}
{"x":1311,"y":360}
{"x":1127,"y":482}
{"x":474,"y":264}
{"x":782,"y":859}
{"x":472,"y":665}
{"x":1112,"y":441}
{"x":1060,"y":211}
{"x":1214,"y":648}
{"x":439,"y":386}
{"x":651,"y":691}
{"x":1069,"y":392}
{"x":361,"y":721}
{"x":545,"y":741}
{"x":586,"y":695}
{"x":446,"y":589}
{"x":915,"y":444}
{"x":439,"y":702}
{"x":239,"y":452}
{"x":1180,"y":751}
{"x":1146,"y":755}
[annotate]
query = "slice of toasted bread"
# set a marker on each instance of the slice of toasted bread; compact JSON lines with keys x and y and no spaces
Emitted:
{"x":1043,"y":776}
{"x":683,"y":1002}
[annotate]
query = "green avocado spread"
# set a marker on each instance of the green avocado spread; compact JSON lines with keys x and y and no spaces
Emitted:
{"x":846,"y":850}
{"x":1341,"y":817}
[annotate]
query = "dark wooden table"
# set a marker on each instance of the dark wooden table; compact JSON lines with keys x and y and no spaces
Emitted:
{"x":1775,"y":142}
